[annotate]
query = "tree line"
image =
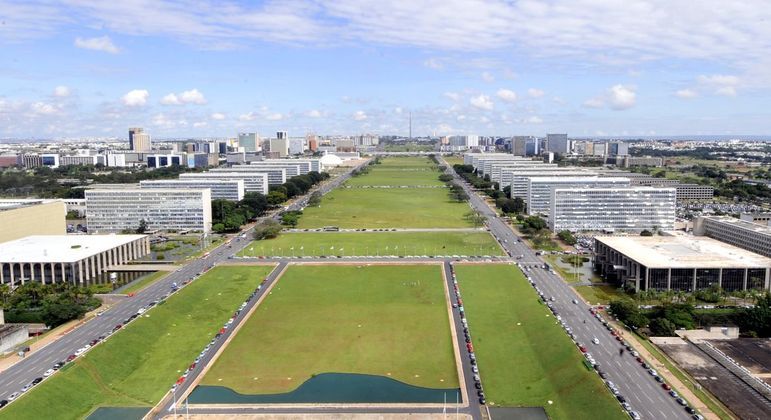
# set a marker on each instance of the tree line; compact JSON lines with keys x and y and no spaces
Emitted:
{"x":50,"y":304}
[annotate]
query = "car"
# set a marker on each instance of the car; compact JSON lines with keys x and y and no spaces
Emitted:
{"x":582,"y":348}
{"x":48,"y":373}
{"x":575,"y":301}
{"x":3,"y":403}
{"x":681,"y":401}
{"x":602,"y":374}
{"x":71,"y":357}
{"x":482,"y":400}
{"x":14,"y":396}
{"x":673,"y":394}
{"x":658,"y":379}
{"x":635,"y":354}
{"x":26,"y":388}
{"x":690,"y":410}
{"x":645,"y":366}
{"x":626,"y":406}
{"x":621,"y":398}
{"x":653,"y":372}
{"x":666,"y":386}
{"x":93,"y":342}
{"x":635,"y":415}
{"x":595,"y":340}
{"x":697,"y":417}
{"x":58,"y":365}
{"x":37,"y":381}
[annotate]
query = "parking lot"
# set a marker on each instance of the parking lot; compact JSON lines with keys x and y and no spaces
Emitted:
{"x":752,"y":353}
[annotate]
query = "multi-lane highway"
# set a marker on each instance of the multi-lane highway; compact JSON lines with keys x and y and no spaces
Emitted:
{"x":639,"y":388}
{"x":36,"y":363}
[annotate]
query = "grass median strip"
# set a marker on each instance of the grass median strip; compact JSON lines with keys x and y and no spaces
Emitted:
{"x":136,"y":366}
{"x":525,"y":359}
{"x":376,"y":244}
{"x":384,"y":320}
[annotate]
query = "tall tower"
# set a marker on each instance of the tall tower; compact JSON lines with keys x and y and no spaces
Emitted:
{"x":139,"y":141}
{"x":410,"y":125}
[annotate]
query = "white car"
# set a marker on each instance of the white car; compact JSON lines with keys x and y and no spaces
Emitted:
{"x":595,"y":340}
{"x":48,"y":373}
{"x":13,"y":396}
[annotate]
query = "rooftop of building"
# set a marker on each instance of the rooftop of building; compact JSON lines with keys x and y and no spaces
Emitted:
{"x":684,"y":251}
{"x":744,"y":224}
{"x":60,"y":248}
{"x":10,"y":204}
{"x":578,"y":178}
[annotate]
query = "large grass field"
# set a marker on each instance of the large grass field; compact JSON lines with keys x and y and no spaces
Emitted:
{"x":383,"y":320}
{"x":525,"y":359}
{"x":397,"y":171}
{"x":136,"y":366}
{"x":386,"y":208}
{"x":376,"y":243}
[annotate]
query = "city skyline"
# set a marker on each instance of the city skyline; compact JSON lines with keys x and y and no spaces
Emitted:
{"x":641,"y":68}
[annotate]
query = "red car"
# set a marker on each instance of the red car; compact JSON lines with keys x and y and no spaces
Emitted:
{"x":582,"y":348}
{"x":71,"y":357}
{"x":666,"y":386}
{"x":640,"y":360}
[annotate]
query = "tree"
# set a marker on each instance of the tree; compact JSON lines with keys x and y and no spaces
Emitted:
{"x":475,"y":218}
{"x":255,"y":202}
{"x":445,"y":177}
{"x":290,"y":218}
{"x":567,"y":237}
{"x":72,"y":214}
{"x":662,"y":327}
{"x":276,"y":197}
{"x":268,"y":229}
{"x":534,"y":224}
{"x":314,"y":199}
{"x":757,"y":321}
{"x":142,"y":228}
{"x":646,"y":232}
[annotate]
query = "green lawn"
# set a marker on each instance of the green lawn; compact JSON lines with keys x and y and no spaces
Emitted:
{"x":454,"y":160}
{"x":145,"y":281}
{"x":600,"y":294}
{"x":386,"y":208}
{"x":397,"y":171}
{"x":531,"y":363}
{"x":376,"y":243}
{"x":136,"y":366}
{"x":381,"y":319}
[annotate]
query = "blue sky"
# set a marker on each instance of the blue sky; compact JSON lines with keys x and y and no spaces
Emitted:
{"x":213,"y":68}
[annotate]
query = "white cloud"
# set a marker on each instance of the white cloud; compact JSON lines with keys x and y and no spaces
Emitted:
{"x":718,"y":80}
{"x":136,"y":97}
{"x":359,"y":116}
{"x":251,"y":116}
{"x":506,"y":95}
{"x":482,"y":102}
{"x":487,"y":77}
{"x":726,"y":91}
{"x":533,"y":120}
{"x":192,"y":97}
{"x":433,"y":63}
{"x":452,"y":96}
{"x":398,"y":110}
{"x":535,"y":93}
{"x":686,"y":93}
{"x":62,"y":91}
{"x":217,"y":116}
{"x":187,"y":97}
{"x":275,"y":116}
{"x":102,"y":43}
{"x":200,"y":124}
{"x":171,"y":99}
{"x":617,"y":97}
{"x":621,"y":97}
{"x":313,"y":113}
{"x":42,"y":108}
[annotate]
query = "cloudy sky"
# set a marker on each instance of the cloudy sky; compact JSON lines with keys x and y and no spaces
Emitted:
{"x":212,"y":68}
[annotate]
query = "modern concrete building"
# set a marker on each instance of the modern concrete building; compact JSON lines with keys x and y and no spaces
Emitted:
{"x":77,"y":259}
{"x":630,"y":209}
{"x":694,"y":192}
{"x":763,"y":219}
{"x":139,"y":141}
{"x":680,"y":262}
{"x":164,"y":161}
{"x":742,"y":233}
{"x":249,"y":141}
{"x":24,"y":217}
{"x":539,"y":189}
{"x":497,"y":168}
{"x":520,"y":178}
{"x":253,"y":181}
{"x":276,"y":175}
{"x":231,"y":189}
{"x":558,"y":143}
{"x":280,"y":145}
{"x":116,"y":210}
{"x":78,"y":160}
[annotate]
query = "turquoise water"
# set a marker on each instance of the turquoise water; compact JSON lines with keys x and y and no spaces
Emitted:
{"x":118,"y":413}
{"x":332,"y":388}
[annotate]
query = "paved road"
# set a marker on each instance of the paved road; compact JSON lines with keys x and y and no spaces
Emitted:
{"x":644,"y":394}
{"x":36,"y":363}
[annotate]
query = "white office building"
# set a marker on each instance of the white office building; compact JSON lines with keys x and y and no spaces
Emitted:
{"x":745,"y":234}
{"x":253,"y":181}
{"x":232,"y":190}
{"x":116,"y":210}
{"x":497,"y":169}
{"x":612,"y":209}
{"x":558,"y":143}
{"x":539,"y":189}
{"x":276,"y":176}
{"x":520,"y":178}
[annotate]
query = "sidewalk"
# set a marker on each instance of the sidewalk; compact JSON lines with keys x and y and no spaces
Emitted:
{"x":670,"y":378}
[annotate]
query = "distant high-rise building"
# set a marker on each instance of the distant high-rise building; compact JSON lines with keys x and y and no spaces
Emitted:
{"x":296,"y":146}
{"x":519,"y":145}
{"x":249,"y":141}
{"x":558,"y":143}
{"x":282,"y":135}
{"x":533,"y":147}
{"x":280,"y":146}
{"x":313,"y":142}
{"x":139,"y":141}
{"x":618,"y":148}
